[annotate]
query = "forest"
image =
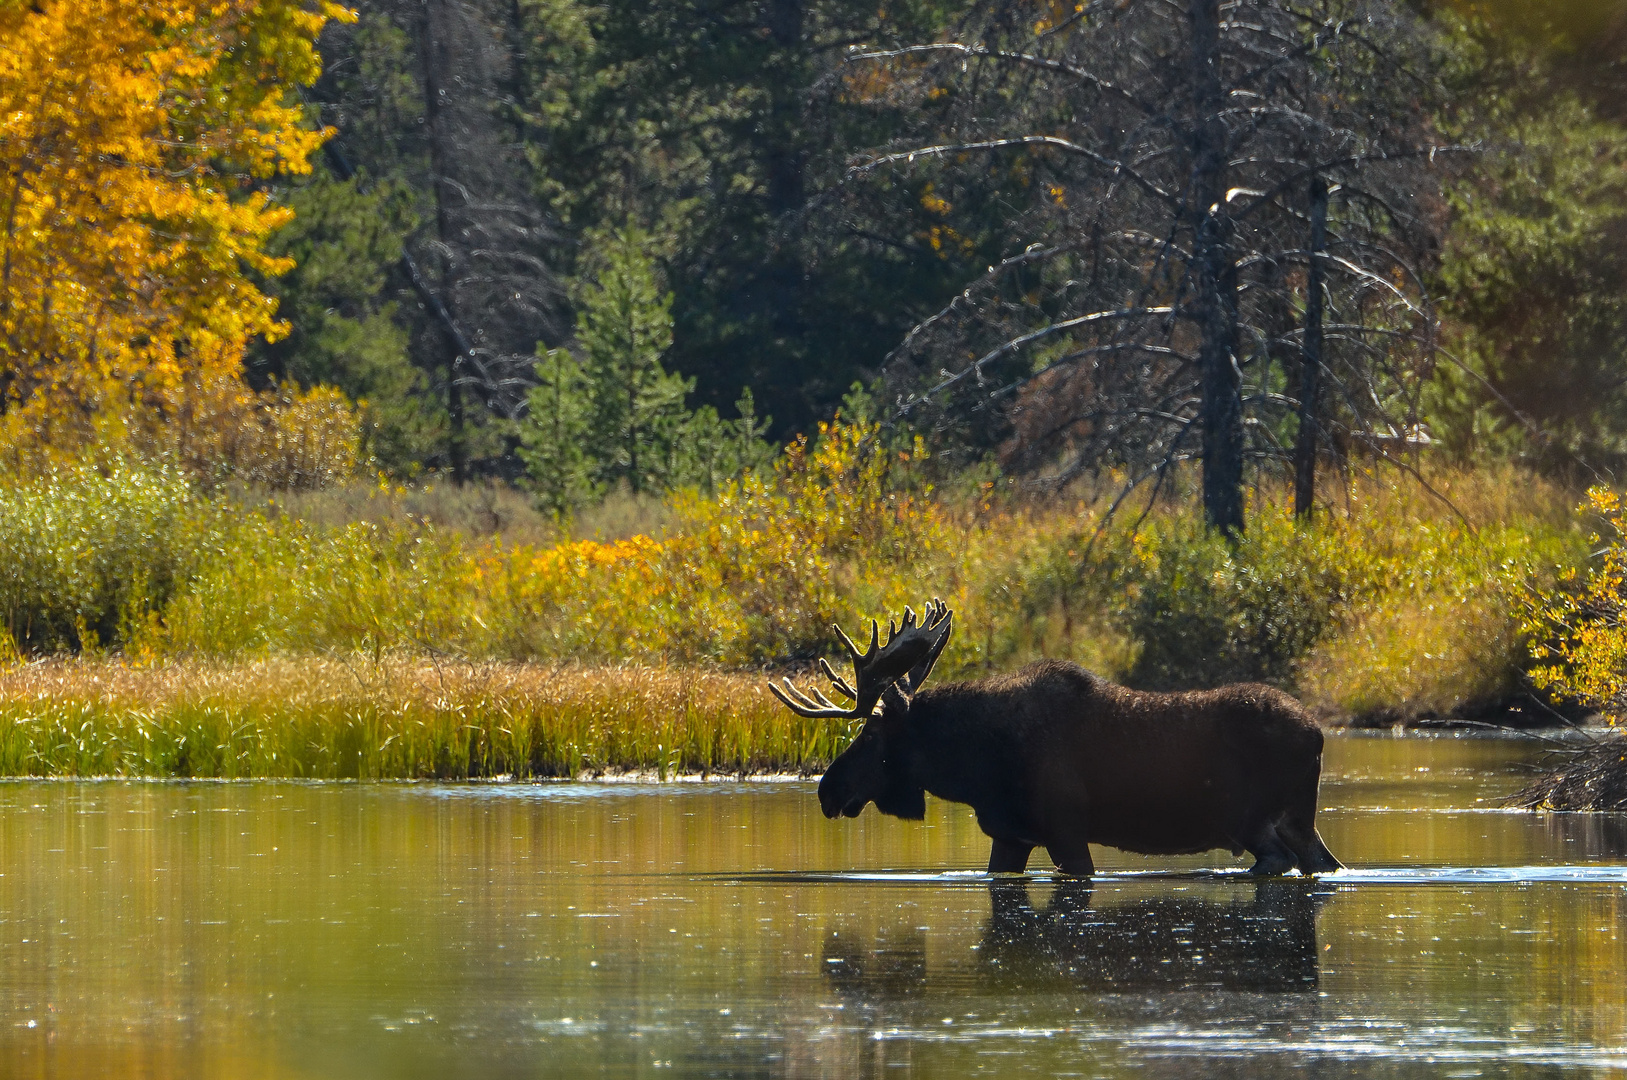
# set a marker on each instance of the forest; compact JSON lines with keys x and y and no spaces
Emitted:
{"x":1196,"y":340}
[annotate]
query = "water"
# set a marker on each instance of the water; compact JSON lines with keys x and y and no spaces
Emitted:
{"x":728,"y":930}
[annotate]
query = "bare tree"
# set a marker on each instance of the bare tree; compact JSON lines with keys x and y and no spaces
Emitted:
{"x":1205,"y":189}
{"x":489,"y":234}
{"x":423,"y":92}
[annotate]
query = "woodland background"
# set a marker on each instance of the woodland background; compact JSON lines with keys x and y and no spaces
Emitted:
{"x":1271,"y":339}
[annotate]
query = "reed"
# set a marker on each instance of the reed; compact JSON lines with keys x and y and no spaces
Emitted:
{"x":396,"y":718}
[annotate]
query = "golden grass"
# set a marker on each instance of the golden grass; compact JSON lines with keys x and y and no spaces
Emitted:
{"x":395,"y":719}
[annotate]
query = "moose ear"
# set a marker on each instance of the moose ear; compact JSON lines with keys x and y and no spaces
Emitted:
{"x":895,"y":701}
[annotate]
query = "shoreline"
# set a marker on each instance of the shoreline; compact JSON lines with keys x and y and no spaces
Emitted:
{"x":412,"y":719}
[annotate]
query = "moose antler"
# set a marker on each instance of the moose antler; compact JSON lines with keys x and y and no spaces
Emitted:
{"x":909,"y":654}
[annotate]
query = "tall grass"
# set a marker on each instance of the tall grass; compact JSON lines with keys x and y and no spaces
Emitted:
{"x":86,"y":553}
{"x":396,"y":719}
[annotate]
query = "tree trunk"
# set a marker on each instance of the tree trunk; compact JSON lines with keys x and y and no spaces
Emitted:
{"x":1215,"y":282}
{"x":1310,"y":371}
{"x":784,"y":163}
{"x":784,"y":166}
{"x":435,"y":43}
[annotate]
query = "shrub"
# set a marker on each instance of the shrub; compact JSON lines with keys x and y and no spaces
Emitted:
{"x":1577,"y":626}
{"x":214,"y":427}
{"x":279,"y":586}
{"x":1207,"y":611}
{"x":1394,"y":605}
{"x":87,"y":555}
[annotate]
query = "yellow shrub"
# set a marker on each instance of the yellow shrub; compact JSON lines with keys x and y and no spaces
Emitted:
{"x":213,"y":426}
{"x":1578,"y":627}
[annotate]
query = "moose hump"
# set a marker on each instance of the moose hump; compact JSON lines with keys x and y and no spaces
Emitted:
{"x":1052,"y":756}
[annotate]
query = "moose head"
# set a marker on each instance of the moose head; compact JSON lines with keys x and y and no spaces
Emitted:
{"x":886,"y":677}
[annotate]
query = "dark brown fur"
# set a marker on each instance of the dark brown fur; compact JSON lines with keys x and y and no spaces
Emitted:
{"x":1055,"y":757}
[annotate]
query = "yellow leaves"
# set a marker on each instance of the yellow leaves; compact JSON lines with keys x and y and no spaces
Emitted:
{"x":1581,"y":627}
{"x":941,"y":236}
{"x":761,"y":569}
{"x":132,"y":137}
{"x":1604,"y":501}
{"x":1055,"y":13}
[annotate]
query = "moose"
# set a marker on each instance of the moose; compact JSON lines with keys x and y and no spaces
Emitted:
{"x":1055,"y":756}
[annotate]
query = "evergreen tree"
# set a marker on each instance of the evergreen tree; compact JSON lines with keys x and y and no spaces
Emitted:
{"x":726,"y":127}
{"x":554,"y":437}
{"x":613,"y":414}
{"x":346,"y":329}
{"x":419,"y":93}
{"x":623,"y":326}
{"x":713,"y":450}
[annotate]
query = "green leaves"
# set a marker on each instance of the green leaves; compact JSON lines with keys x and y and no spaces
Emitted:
{"x":612,"y":414}
{"x":1535,"y":281}
{"x":623,"y":326}
{"x":554,"y":436}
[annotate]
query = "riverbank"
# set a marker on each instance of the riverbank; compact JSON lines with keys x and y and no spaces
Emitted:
{"x":326,"y":718}
{"x":399,"y":719}
{"x":1391,"y":604}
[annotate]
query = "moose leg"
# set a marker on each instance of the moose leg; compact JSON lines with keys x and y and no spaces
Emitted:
{"x":1299,"y":834}
{"x":1297,"y":829}
{"x":1305,"y":842}
{"x":1009,"y":857}
{"x":1072,"y":858}
{"x":1271,"y":855}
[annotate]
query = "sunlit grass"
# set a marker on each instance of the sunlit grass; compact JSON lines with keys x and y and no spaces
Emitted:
{"x":395,"y":719}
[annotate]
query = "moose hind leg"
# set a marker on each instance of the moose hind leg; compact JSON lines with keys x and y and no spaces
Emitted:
{"x":1009,"y":857}
{"x":1072,"y":858}
{"x":1310,"y":852}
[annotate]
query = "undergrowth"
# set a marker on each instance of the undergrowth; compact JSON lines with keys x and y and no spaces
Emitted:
{"x":1390,"y":604}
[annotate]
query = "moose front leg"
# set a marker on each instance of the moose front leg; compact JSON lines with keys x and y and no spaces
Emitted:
{"x":1009,"y":857}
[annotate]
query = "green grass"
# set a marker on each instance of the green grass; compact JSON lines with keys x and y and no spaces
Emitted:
{"x":323,"y":719}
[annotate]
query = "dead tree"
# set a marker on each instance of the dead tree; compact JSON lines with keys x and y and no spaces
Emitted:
{"x":1164,"y":156}
{"x":421,"y":93}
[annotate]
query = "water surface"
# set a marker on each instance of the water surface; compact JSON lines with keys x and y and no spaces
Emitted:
{"x":728,"y":930}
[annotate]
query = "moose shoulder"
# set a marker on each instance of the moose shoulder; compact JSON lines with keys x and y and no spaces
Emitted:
{"x":1054,"y":756}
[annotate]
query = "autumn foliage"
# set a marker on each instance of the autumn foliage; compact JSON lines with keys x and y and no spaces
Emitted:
{"x":136,"y":138}
{"x":1578,"y":628}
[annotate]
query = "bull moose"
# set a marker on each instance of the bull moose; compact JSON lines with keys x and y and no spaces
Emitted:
{"x":1052,"y":755}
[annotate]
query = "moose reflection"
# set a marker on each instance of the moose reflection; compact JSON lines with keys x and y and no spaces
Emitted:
{"x":1054,"y":756}
{"x":1263,"y":942}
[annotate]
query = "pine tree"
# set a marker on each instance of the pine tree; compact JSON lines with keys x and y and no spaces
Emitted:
{"x":612,"y":414}
{"x":623,"y":326}
{"x":554,"y":437}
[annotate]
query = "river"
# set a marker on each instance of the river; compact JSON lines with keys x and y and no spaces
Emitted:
{"x":726,"y":929}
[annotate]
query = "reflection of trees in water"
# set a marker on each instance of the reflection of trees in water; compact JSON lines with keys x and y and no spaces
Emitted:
{"x":1585,"y":837}
{"x":1266,"y":943}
